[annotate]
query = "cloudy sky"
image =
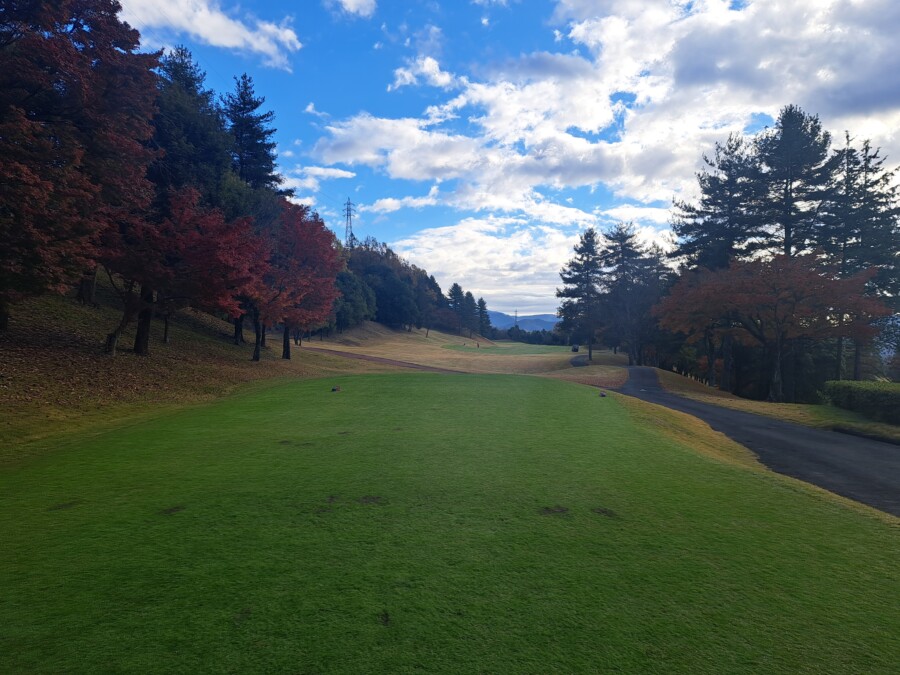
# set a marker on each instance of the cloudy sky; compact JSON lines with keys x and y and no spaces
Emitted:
{"x":480,"y":137}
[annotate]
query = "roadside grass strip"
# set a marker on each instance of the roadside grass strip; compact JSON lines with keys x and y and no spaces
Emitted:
{"x":437,"y":523}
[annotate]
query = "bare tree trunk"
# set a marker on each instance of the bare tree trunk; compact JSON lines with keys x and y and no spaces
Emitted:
{"x":166,"y":328}
{"x":87,"y":288}
{"x":839,"y":359}
{"x":239,"y":330}
{"x":710,"y":360}
{"x":286,"y":343}
{"x":145,"y":320}
{"x":130,"y":308}
{"x":112,"y":339}
{"x":857,"y":359}
{"x":725,"y":383}
{"x":258,"y":329}
{"x":262,"y":340}
{"x":4,"y":314}
{"x":776,"y":391}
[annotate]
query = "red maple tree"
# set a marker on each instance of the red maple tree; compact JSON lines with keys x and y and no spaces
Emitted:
{"x":772,"y":301}
{"x":186,"y":254}
{"x":298,"y":287}
{"x":76,"y":99}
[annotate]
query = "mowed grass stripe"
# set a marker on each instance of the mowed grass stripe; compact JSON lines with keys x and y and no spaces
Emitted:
{"x":429,"y":522}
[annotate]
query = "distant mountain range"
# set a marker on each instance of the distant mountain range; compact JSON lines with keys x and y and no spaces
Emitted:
{"x":503,"y":321}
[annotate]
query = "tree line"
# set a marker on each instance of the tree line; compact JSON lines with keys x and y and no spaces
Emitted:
{"x":784,"y":273}
{"x":125,"y":164}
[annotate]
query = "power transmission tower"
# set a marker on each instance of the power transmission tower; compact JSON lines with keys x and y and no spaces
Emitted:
{"x":349,"y":238}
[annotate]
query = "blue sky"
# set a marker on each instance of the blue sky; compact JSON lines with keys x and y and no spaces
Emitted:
{"x":480,"y":137}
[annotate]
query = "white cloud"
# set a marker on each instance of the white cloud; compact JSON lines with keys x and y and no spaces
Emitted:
{"x":309,"y":178}
{"x":363,"y":8}
{"x":391,"y":204}
{"x":497,"y":258}
{"x":641,"y":214}
{"x":425,"y":68}
{"x":652,"y":87}
{"x":311,"y":110}
{"x":206,"y":22}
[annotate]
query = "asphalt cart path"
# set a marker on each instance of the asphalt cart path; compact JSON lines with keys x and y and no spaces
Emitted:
{"x":865,"y":470}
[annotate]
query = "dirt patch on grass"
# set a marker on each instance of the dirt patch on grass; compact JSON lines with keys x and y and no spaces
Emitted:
{"x":384,"y":618}
{"x":554,"y":511}
{"x":600,"y":511}
{"x":172,"y":510}
{"x":242,"y":616}
{"x":65,"y":506}
{"x":371,"y":499}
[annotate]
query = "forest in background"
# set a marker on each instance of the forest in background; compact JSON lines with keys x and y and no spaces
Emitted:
{"x":787,"y":270}
{"x":124,"y":164}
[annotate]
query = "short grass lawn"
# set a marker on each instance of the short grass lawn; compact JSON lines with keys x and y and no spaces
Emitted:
{"x":509,"y":348}
{"x":429,"y":523}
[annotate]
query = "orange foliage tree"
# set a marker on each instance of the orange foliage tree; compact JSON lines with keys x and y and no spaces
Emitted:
{"x":772,"y":301}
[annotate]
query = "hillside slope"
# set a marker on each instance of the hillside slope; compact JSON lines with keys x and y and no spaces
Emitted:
{"x":54,"y":375}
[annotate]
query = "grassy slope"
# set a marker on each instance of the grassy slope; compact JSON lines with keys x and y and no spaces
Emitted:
{"x":449,"y":351}
{"x":53,"y":376}
{"x":399,"y":525}
{"x":819,"y":416}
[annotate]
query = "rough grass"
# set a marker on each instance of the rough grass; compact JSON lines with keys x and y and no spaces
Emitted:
{"x":54,"y":376}
{"x":436,"y":523}
{"x":447,"y":351}
{"x":819,"y":416}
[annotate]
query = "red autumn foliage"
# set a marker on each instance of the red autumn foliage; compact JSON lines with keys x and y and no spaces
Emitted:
{"x":298,"y":288}
{"x":772,"y":301}
{"x":76,"y":100}
{"x":189,"y":255}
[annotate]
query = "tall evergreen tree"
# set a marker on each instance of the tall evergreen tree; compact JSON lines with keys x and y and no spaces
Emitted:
{"x":190,"y":129}
{"x":723,"y":224}
{"x":860,"y":229}
{"x":484,"y":319}
{"x":796,"y":172}
{"x":621,"y":261}
{"x":580,"y":294}
{"x":253,"y":150}
{"x":470,"y":313}
{"x":455,"y":301}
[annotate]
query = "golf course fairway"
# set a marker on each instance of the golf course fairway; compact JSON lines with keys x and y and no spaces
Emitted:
{"x":429,"y":523}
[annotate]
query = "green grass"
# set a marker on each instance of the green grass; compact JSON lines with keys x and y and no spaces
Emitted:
{"x":398,"y":525}
{"x":510,"y":348}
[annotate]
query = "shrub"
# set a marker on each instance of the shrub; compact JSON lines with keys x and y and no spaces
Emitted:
{"x":876,"y":400}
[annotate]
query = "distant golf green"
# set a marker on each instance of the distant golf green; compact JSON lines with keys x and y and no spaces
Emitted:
{"x":511,"y":348}
{"x":426,"y":522}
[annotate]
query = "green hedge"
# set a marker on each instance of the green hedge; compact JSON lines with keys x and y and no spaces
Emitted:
{"x":876,"y":400}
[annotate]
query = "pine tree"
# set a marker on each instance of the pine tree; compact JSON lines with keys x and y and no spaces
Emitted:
{"x":723,"y":224}
{"x":860,"y":229}
{"x":455,"y":301}
{"x":484,"y":319}
{"x":253,"y":151}
{"x":796,"y":172}
{"x":621,"y":263}
{"x":581,"y":278}
{"x":470,"y":313}
{"x":190,"y":129}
